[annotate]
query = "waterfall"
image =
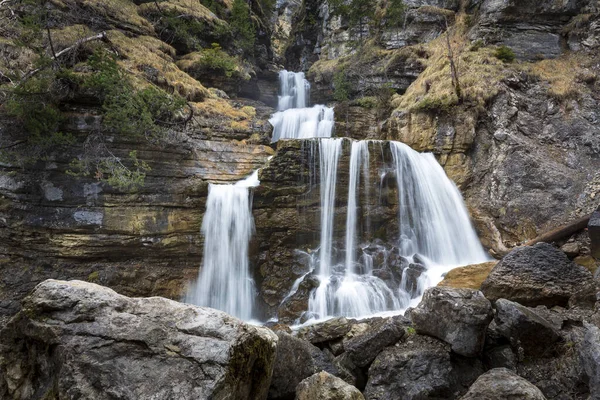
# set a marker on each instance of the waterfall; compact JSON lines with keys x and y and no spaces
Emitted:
{"x":433,"y":219}
{"x":224,"y":281}
{"x":434,"y":234}
{"x":294,"y":119}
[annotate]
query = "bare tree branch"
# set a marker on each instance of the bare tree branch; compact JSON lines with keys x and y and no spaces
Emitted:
{"x":101,"y":36}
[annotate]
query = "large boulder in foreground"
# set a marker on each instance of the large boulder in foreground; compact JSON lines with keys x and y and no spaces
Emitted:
{"x":502,"y":384}
{"x":324,"y":386}
{"x":539,"y":275}
{"x":459,"y":317}
{"x":78,"y":340}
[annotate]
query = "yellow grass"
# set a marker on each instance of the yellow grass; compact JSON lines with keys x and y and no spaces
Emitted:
{"x":566,"y":75}
{"x":187,"y":7}
{"x":146,"y":51}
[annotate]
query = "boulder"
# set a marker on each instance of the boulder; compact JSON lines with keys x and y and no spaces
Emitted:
{"x":295,"y":360}
{"x":594,"y":232}
{"x":459,"y":317}
{"x":535,"y":275}
{"x":324,"y":386}
{"x":590,"y":358}
{"x":364,"y":347}
{"x":420,"y":368}
{"x":502,"y":384}
{"x":81,"y":340}
{"x":468,"y":277}
{"x":329,"y":330}
{"x":525,"y":329}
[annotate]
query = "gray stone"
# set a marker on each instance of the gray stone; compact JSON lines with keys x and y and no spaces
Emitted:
{"x":525,"y":328}
{"x":80,"y":340}
{"x":502,"y":384}
{"x":535,"y":275}
{"x":332,"y":329}
{"x":571,"y":249}
{"x":590,"y":358}
{"x":420,"y":368}
{"x":459,"y":317}
{"x":295,"y":360}
{"x":364,"y":347}
{"x":324,"y":386}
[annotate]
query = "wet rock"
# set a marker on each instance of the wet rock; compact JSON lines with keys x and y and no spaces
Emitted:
{"x":81,"y":340}
{"x":411,"y":277}
{"x":468,"y":277}
{"x":419,"y":368}
{"x":329,"y":330}
{"x":295,"y":360}
{"x":323,"y":386}
{"x":502,"y":384}
{"x":292,"y":308}
{"x":525,"y":328}
{"x":459,"y":317}
{"x":535,"y":275}
{"x":365,"y":346}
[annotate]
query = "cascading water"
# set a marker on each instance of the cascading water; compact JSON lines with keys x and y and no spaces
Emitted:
{"x":434,"y":235}
{"x":224,"y":280}
{"x":295,"y":120}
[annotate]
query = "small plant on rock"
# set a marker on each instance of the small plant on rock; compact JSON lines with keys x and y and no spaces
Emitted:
{"x":505,"y":54}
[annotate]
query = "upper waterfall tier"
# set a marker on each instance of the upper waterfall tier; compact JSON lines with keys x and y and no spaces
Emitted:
{"x":295,"y":120}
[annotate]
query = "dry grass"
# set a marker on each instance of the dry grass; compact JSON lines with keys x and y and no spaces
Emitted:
{"x":566,"y":75}
{"x":185,"y":7}
{"x":220,"y":108}
{"x":479,"y":74}
{"x":123,"y":14}
{"x":145,"y":52}
{"x":67,"y":36}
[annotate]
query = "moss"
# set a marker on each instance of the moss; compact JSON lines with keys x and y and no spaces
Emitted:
{"x":213,"y":61}
{"x":94,"y":277}
{"x":249,"y":111}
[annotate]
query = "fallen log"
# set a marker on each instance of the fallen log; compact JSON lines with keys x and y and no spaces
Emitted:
{"x":561,"y":232}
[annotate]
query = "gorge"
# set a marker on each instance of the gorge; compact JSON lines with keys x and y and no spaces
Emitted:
{"x":299,"y":199}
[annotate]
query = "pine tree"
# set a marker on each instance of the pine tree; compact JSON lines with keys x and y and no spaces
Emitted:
{"x":242,"y":26}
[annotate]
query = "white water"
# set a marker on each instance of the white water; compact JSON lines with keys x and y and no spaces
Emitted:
{"x":224,"y":281}
{"x":434,"y":232}
{"x":295,"y":120}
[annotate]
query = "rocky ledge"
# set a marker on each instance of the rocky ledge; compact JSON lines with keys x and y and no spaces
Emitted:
{"x":538,"y":340}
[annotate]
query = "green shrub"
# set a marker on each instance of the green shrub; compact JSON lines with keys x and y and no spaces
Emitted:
{"x":243,"y":28}
{"x":505,"y":54}
{"x":217,"y":60}
{"x":341,"y":86}
{"x":366,"y":102}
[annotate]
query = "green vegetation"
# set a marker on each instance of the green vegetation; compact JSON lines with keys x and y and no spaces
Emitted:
{"x":363,"y":14}
{"x":216,"y":59}
{"x":505,"y":54}
{"x":242,"y":26}
{"x":341,"y":86}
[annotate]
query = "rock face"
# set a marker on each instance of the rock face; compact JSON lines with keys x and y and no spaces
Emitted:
{"x":532,"y":29}
{"x":525,"y":328}
{"x":502,"y":384}
{"x":535,"y":275}
{"x":295,"y":360}
{"x":459,"y":317}
{"x":364,"y":347}
{"x":323,"y":386}
{"x":80,"y":340}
